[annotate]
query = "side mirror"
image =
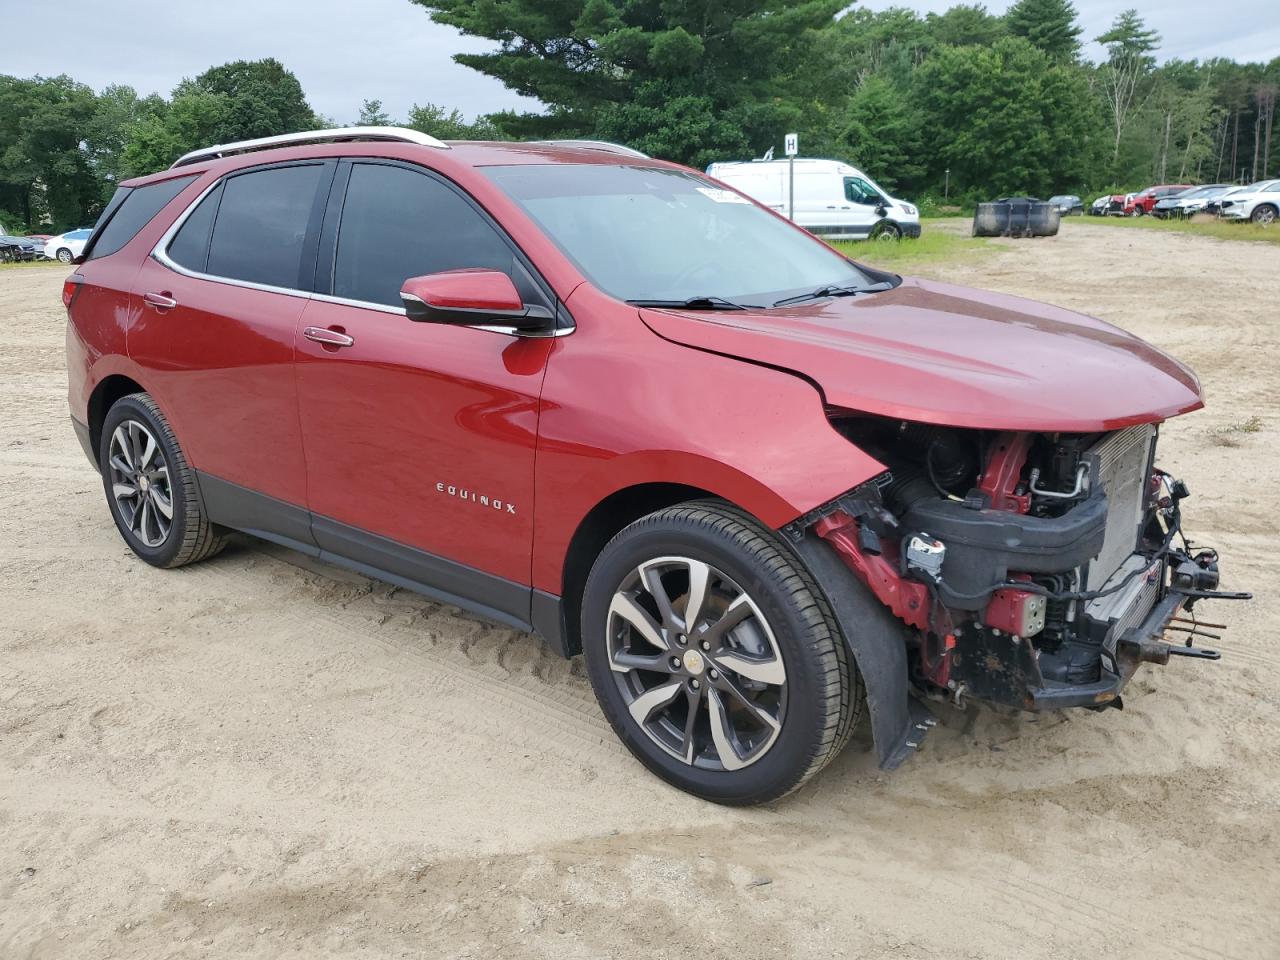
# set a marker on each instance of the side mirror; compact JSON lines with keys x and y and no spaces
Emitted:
{"x":469,"y":298}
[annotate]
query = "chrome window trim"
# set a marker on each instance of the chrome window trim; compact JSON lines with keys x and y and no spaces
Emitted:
{"x":160,"y":253}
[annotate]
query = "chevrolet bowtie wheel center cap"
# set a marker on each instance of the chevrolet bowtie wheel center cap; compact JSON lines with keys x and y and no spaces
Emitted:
{"x":693,"y":662}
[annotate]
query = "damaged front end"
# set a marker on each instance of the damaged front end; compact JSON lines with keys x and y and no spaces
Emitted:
{"x":1033,"y":570}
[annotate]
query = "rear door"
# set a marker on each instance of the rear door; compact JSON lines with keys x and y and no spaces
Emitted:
{"x":419,"y":437}
{"x":219,"y":304}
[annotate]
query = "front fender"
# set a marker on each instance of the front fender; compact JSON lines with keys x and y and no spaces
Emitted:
{"x":622,"y":407}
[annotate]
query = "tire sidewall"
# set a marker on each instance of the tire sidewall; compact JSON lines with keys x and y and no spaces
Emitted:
{"x":64,"y":259}
{"x":131,"y":408}
{"x":790,"y":757}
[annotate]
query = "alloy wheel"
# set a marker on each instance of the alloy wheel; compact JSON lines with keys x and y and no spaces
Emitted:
{"x":1264,"y":215}
{"x":697,"y":663}
{"x":140,"y":482}
{"x":64,"y":255}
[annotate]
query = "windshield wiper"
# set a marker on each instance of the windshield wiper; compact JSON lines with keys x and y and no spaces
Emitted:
{"x":691,"y":303}
{"x":834,"y":290}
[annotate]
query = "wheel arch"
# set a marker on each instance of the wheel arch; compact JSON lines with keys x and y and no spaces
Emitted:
{"x":105,"y":394}
{"x":601,"y":524}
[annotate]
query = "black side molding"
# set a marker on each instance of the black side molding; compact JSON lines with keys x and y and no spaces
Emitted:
{"x":495,"y":598}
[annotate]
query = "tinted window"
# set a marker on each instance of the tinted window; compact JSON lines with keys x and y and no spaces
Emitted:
{"x":397,"y":224}
{"x":190,"y":247}
{"x":859,"y":191}
{"x":134,"y":213}
{"x":261,"y":225}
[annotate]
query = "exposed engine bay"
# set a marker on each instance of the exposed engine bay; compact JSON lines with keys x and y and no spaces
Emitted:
{"x":1036,"y":570}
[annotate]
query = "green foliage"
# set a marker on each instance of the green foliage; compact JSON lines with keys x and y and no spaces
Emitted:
{"x":691,"y":81}
{"x":450,"y":124}
{"x":45,"y":175}
{"x":1005,"y":116}
{"x":372,"y":115}
{"x":1049,"y":25}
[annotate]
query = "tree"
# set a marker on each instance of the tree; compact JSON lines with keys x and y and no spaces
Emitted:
{"x":372,"y":115}
{"x":881,"y":133}
{"x":1047,"y":24}
{"x":262,"y":99}
{"x":966,"y":25}
{"x":690,"y":81}
{"x":450,"y":124}
{"x":117,"y":113}
{"x":45,"y":175}
{"x":1005,"y":118}
{"x":1129,"y":61}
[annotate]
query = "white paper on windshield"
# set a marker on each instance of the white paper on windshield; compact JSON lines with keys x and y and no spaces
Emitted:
{"x":721,"y":196}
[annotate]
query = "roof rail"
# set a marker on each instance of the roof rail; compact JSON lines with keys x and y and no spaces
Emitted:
{"x":402,"y":134}
{"x":603,"y":145}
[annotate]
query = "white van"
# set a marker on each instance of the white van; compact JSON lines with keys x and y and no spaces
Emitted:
{"x":832,"y":199}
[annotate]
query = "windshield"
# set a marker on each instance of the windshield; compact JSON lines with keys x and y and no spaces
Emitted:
{"x":643,"y":233}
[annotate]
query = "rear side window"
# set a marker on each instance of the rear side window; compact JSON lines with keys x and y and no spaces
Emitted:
{"x":190,"y":247}
{"x":134,"y":212}
{"x":261,"y":225}
{"x":397,"y":224}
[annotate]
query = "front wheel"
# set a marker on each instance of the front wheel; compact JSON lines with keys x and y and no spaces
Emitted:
{"x":1264,"y":214}
{"x":886,"y":230}
{"x":715,"y":657}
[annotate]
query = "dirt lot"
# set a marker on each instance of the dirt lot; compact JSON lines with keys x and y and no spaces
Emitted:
{"x":262,"y":756}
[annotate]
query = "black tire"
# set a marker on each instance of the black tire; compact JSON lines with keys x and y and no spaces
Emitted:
{"x":190,"y":535}
{"x":886,"y":230}
{"x":817,"y":705}
{"x":63,"y":254}
{"x":1264,"y":214}
{"x":1139,"y":211}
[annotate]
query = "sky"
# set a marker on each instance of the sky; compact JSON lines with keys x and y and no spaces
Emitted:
{"x":346,"y":51}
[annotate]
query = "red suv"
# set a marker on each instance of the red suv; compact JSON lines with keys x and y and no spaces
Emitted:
{"x":601,"y":397}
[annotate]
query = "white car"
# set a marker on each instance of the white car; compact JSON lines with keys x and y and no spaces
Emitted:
{"x":1259,"y":202}
{"x":67,"y":246}
{"x":832,"y":199}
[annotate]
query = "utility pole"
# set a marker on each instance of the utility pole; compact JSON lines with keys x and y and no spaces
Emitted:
{"x":946,"y":188}
{"x":792,"y":146}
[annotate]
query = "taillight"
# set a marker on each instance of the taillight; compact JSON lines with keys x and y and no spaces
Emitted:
{"x":69,"y":289}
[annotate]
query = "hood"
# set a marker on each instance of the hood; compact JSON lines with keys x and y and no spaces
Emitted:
{"x":944,"y":354}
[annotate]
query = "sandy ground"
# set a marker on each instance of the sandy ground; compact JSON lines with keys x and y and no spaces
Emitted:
{"x":261,"y":756}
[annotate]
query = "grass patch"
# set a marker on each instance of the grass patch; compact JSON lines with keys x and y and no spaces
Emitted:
{"x":1229,"y":435}
{"x":41,"y":262}
{"x":1197,"y":226}
{"x":933,"y":246}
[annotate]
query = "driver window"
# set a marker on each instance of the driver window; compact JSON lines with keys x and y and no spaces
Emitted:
{"x":857,"y":190}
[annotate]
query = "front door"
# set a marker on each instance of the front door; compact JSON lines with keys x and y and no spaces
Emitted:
{"x":419,"y":437}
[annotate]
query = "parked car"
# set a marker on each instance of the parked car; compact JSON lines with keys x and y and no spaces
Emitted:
{"x":1141,"y":203}
{"x":16,"y":248}
{"x":1259,"y":202}
{"x":832,"y":199}
{"x":602,"y":397}
{"x":67,"y":246}
{"x":37,"y":242}
{"x":1188,"y":202}
{"x":1068,"y":204}
{"x":1101,"y":206}
{"x":1214,"y":205}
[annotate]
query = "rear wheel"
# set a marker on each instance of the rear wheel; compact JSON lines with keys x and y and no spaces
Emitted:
{"x":714,"y":656}
{"x":150,"y":489}
{"x":64,"y":254}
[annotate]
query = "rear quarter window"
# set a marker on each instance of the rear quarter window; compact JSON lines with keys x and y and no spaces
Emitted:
{"x":134,"y":212}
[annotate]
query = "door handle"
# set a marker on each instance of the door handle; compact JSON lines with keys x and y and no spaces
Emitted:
{"x":161,"y":301}
{"x":328,"y":337}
